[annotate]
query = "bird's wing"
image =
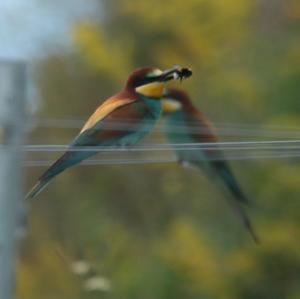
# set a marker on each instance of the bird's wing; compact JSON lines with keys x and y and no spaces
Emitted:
{"x":206,"y":131}
{"x":202,"y":131}
{"x":111,"y":122}
{"x":225,"y":176}
{"x":218,"y":161}
{"x":105,"y":109}
{"x":107,"y":114}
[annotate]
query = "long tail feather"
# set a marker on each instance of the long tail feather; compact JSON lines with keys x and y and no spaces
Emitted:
{"x":245,"y":220}
{"x":68,"y":159}
{"x":65,"y":161}
{"x":235,"y":195}
{"x":37,"y":188}
{"x":224,"y":172}
{"x":236,"y":199}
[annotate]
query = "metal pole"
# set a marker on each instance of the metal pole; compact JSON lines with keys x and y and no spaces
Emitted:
{"x":12,"y":100}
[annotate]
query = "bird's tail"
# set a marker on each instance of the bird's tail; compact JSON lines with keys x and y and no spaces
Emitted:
{"x":230,"y":182}
{"x":65,"y":161}
{"x":245,"y":220}
{"x":236,"y":199}
{"x":236,"y":196}
{"x":37,"y":188}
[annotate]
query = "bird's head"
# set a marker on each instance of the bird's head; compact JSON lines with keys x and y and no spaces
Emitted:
{"x":175,"y":100}
{"x":150,"y":82}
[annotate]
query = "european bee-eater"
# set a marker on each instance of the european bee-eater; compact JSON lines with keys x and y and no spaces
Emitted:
{"x":184,"y":123}
{"x":138,"y":103}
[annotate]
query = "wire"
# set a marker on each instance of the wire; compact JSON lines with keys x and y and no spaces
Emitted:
{"x":247,"y":150}
{"x":233,"y":150}
{"x":230,"y":145}
{"x":223,"y":129}
{"x":77,"y":123}
{"x":40,"y":163}
{"x":105,"y":162}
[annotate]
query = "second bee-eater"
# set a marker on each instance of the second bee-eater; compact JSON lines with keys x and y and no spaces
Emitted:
{"x":138,"y":104}
{"x":185,"y":124}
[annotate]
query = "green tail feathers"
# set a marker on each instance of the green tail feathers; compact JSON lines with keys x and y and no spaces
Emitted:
{"x":37,"y":188}
{"x":245,"y":220}
{"x":235,"y":196}
{"x":225,"y":173}
{"x":236,"y":200}
{"x":59,"y":166}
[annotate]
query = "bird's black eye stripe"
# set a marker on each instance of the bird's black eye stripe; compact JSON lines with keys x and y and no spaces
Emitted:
{"x":141,"y":81}
{"x":145,"y":80}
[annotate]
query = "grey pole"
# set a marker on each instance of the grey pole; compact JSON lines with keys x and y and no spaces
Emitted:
{"x":12,"y":102}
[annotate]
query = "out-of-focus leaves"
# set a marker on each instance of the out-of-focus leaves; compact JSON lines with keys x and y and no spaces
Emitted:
{"x":163,"y":231}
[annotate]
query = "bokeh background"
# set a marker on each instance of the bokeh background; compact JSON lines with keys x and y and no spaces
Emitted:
{"x":159,"y":231}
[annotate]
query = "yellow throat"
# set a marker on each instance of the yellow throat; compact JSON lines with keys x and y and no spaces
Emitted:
{"x":169,"y":105}
{"x":151,"y":90}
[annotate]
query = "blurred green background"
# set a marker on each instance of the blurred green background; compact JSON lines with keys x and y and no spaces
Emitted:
{"x":160,"y":231}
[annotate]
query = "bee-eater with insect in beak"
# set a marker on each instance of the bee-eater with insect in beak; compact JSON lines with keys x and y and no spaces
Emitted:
{"x":185,"y":124}
{"x":138,"y":104}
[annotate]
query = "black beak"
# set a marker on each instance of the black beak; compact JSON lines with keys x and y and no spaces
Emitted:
{"x":175,"y":73}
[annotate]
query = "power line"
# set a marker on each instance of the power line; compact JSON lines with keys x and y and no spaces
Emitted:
{"x":165,"y":160}
{"x":229,"y":145}
{"x":222,"y":129}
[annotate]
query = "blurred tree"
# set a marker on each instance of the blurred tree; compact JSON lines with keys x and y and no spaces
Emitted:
{"x":160,"y":231}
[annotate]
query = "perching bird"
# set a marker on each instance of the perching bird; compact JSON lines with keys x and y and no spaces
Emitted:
{"x":138,"y":104}
{"x":184,"y":123}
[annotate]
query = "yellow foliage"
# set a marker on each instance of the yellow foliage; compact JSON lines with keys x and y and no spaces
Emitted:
{"x":244,"y":89}
{"x":110,"y":58}
{"x":278,"y":238}
{"x":282,"y":237}
{"x":236,"y":67}
{"x":293,"y":9}
{"x":45,"y":269}
{"x":291,"y":59}
{"x":185,"y":250}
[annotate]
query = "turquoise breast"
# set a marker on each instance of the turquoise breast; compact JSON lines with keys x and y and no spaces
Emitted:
{"x":146,"y":125}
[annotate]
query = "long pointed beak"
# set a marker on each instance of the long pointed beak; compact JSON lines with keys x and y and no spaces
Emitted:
{"x":177,"y":72}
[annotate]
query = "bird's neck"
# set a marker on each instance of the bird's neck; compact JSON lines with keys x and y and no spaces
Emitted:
{"x":153,"y":105}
